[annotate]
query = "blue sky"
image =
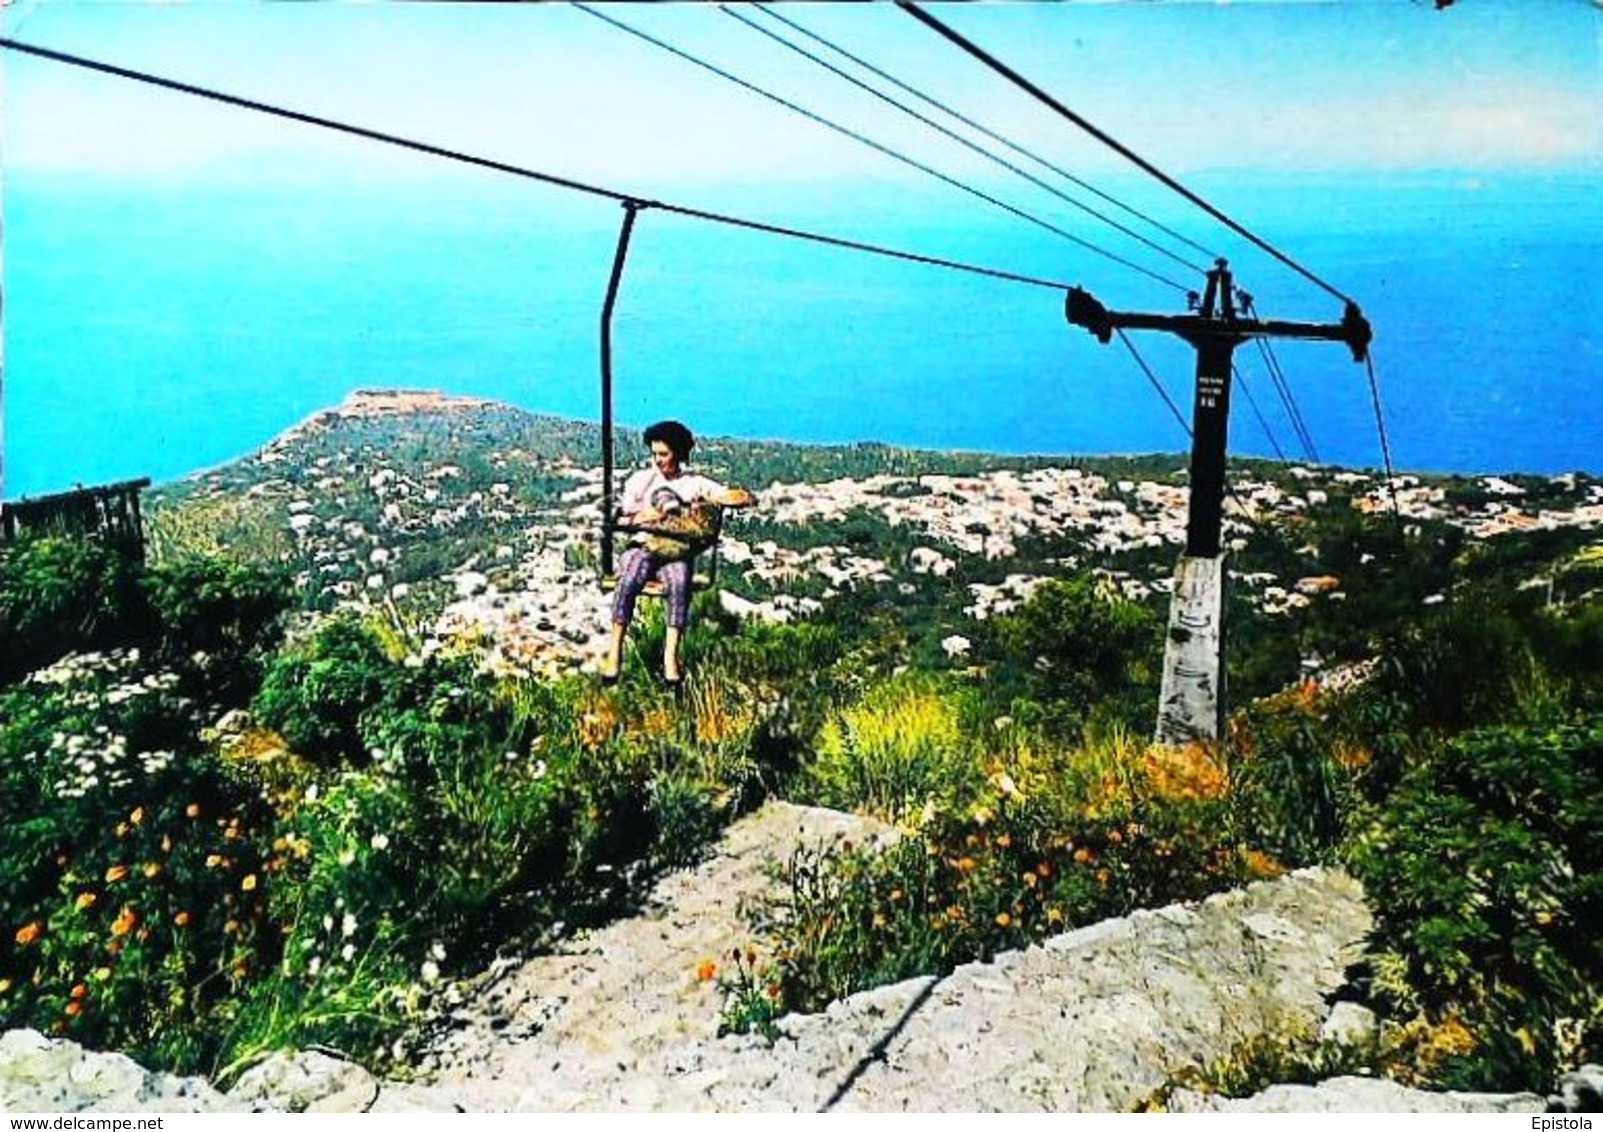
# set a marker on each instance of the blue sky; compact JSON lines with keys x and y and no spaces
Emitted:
{"x":1350,"y":85}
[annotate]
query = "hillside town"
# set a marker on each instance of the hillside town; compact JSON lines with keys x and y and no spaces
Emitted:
{"x":525,"y":586}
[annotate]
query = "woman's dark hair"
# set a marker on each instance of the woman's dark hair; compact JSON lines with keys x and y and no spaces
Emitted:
{"x":676,"y":436}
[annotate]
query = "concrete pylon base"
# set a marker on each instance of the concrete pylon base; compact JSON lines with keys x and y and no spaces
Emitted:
{"x":1192,"y":702}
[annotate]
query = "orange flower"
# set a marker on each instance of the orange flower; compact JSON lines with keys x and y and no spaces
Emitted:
{"x":965,"y":864}
{"x":1043,"y":869}
{"x":1029,"y":880}
{"x":28,"y":933}
{"x":1003,"y":919}
{"x":79,"y":991}
{"x":705,"y":970}
{"x":116,"y":873}
{"x":1103,"y":876}
{"x":125,"y":921}
{"x":192,"y":810}
{"x":1082,"y":855}
{"x":181,"y":919}
{"x":1115,"y":836}
{"x":74,"y":1009}
{"x":85,"y":899}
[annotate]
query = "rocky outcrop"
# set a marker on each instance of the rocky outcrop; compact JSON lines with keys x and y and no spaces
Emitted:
{"x":38,"y":1074}
{"x":1356,"y":1094}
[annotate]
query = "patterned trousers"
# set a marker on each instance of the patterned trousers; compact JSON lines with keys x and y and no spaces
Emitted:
{"x":638,"y":568}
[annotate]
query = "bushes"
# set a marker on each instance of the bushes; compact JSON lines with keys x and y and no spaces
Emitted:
{"x":894,"y":751}
{"x":60,"y":594}
{"x":133,"y":869}
{"x":1484,"y":869}
{"x":1076,"y":652}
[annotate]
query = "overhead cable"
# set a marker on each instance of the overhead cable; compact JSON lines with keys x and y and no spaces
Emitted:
{"x":959,"y":138}
{"x":1263,"y":423}
{"x":1117,"y":146}
{"x":981,"y":128}
{"x":1153,"y":378}
{"x":1385,"y":445}
{"x":516,"y":170}
{"x":1277,"y":375}
{"x":878,"y":147}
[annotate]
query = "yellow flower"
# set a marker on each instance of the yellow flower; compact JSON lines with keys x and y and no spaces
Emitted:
{"x":249,"y":883}
{"x":1029,"y":880}
{"x":125,"y":921}
{"x":1003,"y":919}
{"x":85,"y":899}
{"x":101,"y":974}
{"x":116,"y":873}
{"x":5,"y":985}
{"x":965,"y":864}
{"x":213,"y":860}
{"x":138,"y":815}
{"x":1054,"y":915}
{"x":150,"y":868}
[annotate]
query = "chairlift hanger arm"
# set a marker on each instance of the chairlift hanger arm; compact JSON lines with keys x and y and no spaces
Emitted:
{"x":1081,"y":308}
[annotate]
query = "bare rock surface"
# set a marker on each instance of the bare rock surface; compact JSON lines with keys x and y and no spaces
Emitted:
{"x":1357,"y":1094}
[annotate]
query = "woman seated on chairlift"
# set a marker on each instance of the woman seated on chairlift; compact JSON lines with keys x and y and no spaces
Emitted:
{"x":653,"y":495}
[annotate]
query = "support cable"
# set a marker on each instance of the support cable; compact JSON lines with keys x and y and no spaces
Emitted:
{"x":1288,"y":401}
{"x":1117,"y":146}
{"x":1263,"y":423}
{"x":981,"y":128}
{"x":973,"y":146}
{"x":1153,"y":378}
{"x":520,"y":171}
{"x":878,"y":147}
{"x":1385,"y":445}
{"x":1282,"y":386}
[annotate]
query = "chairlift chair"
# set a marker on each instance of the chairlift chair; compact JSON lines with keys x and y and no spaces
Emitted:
{"x":705,"y":574}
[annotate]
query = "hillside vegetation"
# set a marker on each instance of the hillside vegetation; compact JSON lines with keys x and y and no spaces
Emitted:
{"x":360,"y":657}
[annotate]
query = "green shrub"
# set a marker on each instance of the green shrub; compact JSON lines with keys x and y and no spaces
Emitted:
{"x":1484,"y":867}
{"x":901,"y":746}
{"x":315,"y":693}
{"x":60,"y":594}
{"x":1075,"y":650}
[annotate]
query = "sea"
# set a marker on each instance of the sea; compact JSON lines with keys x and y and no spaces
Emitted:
{"x":156,"y":327}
